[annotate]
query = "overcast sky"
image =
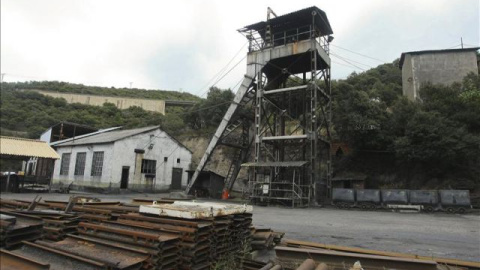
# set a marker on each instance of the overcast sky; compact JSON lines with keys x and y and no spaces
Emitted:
{"x":181,"y":44}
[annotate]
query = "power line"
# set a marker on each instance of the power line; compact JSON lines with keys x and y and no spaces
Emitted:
{"x":226,"y":74}
{"x":373,"y":58}
{"x":343,"y":64}
{"x":222,"y":69}
{"x":342,"y":57}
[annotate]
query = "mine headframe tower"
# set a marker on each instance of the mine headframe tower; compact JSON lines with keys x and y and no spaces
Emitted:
{"x":288,"y":82}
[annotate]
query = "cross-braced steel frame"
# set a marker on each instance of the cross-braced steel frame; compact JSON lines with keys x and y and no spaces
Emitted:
{"x":292,"y":127}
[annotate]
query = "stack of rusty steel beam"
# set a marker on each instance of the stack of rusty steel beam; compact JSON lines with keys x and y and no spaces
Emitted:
{"x":13,"y":204}
{"x":222,"y":236}
{"x":219,"y":230}
{"x":241,"y":231}
{"x":266,"y":239}
{"x":84,"y":212}
{"x":116,"y":210}
{"x":15,"y":228}
{"x":163,"y":247}
{"x":195,"y":236}
{"x":77,"y":253}
{"x":93,"y":212}
{"x":56,"y":224}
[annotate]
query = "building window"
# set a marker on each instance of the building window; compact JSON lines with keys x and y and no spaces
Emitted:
{"x":65,"y":163}
{"x":178,"y":160}
{"x":149,"y":166}
{"x":80,"y":163}
{"x":97,"y":163}
{"x":165,"y":159}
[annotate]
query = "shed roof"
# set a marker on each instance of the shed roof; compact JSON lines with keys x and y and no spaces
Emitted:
{"x":109,"y":136}
{"x":106,"y":137}
{"x":402,"y":57}
{"x":293,"y":20}
{"x":20,"y":147}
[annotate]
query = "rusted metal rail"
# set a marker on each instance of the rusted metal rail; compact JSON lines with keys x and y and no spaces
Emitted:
{"x":343,"y":259}
{"x":442,"y":261}
{"x":58,"y":260}
{"x":15,"y":228}
{"x":12,"y":261}
{"x":113,"y":256}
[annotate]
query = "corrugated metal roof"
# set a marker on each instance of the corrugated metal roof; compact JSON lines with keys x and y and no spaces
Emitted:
{"x":84,"y":135}
{"x":106,"y":137}
{"x":293,"y":20}
{"x":21,"y":147}
{"x":275,"y":164}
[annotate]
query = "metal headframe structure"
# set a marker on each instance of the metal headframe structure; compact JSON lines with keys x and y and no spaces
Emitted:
{"x":288,"y":85}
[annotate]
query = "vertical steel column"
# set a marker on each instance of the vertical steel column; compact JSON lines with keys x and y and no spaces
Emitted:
{"x":313,"y":112}
{"x":258,"y":126}
{"x":329,"y":124}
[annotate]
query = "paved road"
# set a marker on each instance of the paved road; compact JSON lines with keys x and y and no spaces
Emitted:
{"x":439,"y":235}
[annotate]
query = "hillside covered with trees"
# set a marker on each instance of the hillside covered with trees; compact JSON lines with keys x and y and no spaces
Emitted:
{"x":65,"y":87}
{"x":396,"y":142}
{"x":403,"y":144}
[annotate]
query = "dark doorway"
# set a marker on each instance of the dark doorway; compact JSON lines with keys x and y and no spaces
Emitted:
{"x":124,"y":180}
{"x":177,"y":178}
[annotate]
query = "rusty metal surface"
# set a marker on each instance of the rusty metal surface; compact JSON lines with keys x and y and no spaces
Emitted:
{"x":306,"y":244}
{"x":336,"y":258}
{"x":24,"y":228}
{"x":12,"y":261}
{"x":113,"y":256}
{"x":58,"y":260}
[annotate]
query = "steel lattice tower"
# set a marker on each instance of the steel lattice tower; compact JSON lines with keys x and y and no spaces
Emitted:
{"x":288,"y":82}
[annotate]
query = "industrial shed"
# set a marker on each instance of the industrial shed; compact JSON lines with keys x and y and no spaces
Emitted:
{"x":13,"y":149}
{"x":143,"y":159}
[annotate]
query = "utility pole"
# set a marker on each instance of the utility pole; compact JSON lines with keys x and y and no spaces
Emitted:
{"x":461,"y":41}
{"x":1,"y":79}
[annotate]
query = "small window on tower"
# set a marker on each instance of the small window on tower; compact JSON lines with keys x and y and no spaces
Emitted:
{"x":165,"y":159}
{"x":178,"y":160}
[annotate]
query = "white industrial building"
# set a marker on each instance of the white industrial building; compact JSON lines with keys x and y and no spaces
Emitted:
{"x":145,"y":159}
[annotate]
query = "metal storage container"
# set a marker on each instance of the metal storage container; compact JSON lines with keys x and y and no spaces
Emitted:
{"x":395,"y":196}
{"x":368,"y":196}
{"x":343,"y":195}
{"x":423,"y":197}
{"x":455,"y":197}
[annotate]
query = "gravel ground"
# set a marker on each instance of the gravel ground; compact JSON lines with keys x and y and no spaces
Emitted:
{"x":439,"y":235}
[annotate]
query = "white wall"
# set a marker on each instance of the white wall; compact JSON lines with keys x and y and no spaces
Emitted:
{"x":163,"y":146}
{"x":46,"y":136}
{"x":122,"y":153}
{"x":86,"y":179}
